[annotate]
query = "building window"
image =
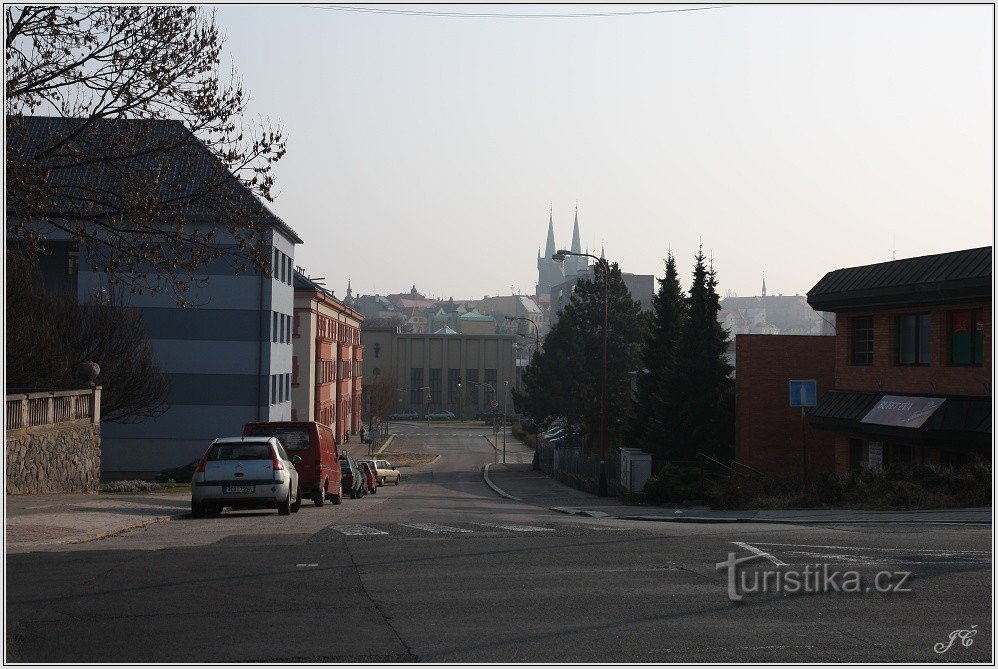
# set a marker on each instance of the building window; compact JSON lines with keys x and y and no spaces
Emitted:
{"x":436,"y":381}
{"x":277,"y":264}
{"x":273,"y":329}
{"x":72,"y":261}
{"x":862,"y":340}
{"x":471,"y":376}
{"x":273,"y":389}
{"x":966,"y":337}
{"x":287,"y":387}
{"x":453,"y":392}
{"x":914,"y":339}
{"x":416,"y":386}
{"x":490,"y":385}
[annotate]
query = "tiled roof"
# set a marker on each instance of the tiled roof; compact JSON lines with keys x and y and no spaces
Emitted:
{"x":935,"y":279}
{"x":161,"y":155}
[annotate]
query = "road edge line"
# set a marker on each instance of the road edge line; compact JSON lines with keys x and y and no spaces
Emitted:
{"x":385,"y":445}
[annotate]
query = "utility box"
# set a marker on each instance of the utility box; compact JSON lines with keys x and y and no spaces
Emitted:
{"x":635,"y":469}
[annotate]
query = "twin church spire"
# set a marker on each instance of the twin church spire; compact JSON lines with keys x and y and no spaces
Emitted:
{"x":550,"y":272}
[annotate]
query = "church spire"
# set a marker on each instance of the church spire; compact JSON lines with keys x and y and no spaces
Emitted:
{"x":576,"y":244}
{"x":764,"y":284}
{"x":550,"y":249}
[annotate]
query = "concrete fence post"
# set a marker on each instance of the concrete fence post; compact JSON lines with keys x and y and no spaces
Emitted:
{"x":50,"y":409}
{"x":95,"y":405}
{"x":25,"y":412}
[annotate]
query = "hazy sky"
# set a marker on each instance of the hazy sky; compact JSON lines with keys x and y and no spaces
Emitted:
{"x":791,"y":140}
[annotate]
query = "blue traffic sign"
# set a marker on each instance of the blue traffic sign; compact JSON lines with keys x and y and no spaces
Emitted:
{"x":803,"y":393}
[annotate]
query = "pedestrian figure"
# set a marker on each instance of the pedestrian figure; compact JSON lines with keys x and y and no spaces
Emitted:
{"x":362,"y":436}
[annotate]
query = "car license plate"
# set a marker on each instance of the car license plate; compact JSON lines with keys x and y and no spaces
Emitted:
{"x":238,"y":488}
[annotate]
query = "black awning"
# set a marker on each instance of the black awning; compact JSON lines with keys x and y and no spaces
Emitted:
{"x":964,"y":421}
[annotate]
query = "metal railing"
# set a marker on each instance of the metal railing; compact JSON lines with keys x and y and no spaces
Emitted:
{"x":28,"y":411}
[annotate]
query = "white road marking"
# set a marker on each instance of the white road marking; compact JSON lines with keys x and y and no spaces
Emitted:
{"x":310,"y":564}
{"x":517,"y":528}
{"x":941,"y":552}
{"x":433,"y":527}
{"x":356,"y":530}
{"x":760,"y":553}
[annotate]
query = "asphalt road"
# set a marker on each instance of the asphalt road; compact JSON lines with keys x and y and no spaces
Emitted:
{"x":442,"y":570}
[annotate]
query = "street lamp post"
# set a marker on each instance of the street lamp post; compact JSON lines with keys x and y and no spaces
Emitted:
{"x":537,"y":349}
{"x":602,"y":490}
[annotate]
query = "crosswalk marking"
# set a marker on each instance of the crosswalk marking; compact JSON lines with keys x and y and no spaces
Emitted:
{"x":517,"y":528}
{"x":433,"y":527}
{"x":356,"y":530}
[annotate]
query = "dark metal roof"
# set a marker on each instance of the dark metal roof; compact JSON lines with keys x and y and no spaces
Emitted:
{"x":959,"y":420}
{"x":958,"y":276}
{"x":160,"y":156}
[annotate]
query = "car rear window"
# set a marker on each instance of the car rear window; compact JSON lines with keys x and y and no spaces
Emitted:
{"x":293,"y":438}
{"x":248,"y":450}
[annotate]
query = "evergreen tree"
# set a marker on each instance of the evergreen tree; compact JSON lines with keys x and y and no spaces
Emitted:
{"x":565,"y":378}
{"x":654,"y":428}
{"x":705,"y":419}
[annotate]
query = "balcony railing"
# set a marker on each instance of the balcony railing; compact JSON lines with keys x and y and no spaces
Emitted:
{"x":28,"y":412}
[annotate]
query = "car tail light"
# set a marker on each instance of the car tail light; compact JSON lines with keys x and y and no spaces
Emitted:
{"x":278,"y":464}
{"x":204,"y":458}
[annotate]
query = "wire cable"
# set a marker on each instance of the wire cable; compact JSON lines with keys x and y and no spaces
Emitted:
{"x":483,"y":15}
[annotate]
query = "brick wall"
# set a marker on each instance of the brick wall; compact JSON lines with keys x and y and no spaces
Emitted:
{"x":769,"y":435}
{"x":885,"y":375}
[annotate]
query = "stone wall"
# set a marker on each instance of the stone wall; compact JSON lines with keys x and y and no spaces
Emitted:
{"x":53,"y":460}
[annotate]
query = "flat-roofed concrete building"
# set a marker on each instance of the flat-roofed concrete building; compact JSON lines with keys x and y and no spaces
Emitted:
{"x":228,"y":356}
{"x":458,"y":372}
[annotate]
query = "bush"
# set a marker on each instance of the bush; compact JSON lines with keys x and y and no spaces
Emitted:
{"x":675,"y":485}
{"x":129,"y":486}
{"x":900,"y":487}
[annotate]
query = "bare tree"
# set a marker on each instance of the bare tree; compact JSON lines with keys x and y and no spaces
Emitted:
{"x":134,"y":103}
{"x":52,"y":333}
{"x":383,"y":394}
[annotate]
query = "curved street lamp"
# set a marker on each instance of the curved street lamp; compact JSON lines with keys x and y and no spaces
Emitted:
{"x":560,"y":256}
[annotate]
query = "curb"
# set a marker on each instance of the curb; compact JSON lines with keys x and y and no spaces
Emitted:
{"x":105,"y":532}
{"x":385,"y":445}
{"x":580,"y":512}
{"x":496,"y":489}
{"x":787,"y":521}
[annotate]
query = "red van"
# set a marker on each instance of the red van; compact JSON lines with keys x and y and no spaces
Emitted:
{"x":319,"y":470}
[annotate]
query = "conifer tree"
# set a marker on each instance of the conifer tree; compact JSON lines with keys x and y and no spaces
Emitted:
{"x":704,"y":415}
{"x":657,"y":388}
{"x":565,"y":378}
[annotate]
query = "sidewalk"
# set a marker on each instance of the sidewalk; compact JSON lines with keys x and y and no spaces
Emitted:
{"x":522,"y":483}
{"x":42,"y":520}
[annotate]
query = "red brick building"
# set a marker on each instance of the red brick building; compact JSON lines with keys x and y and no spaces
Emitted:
{"x":912,"y":360}
{"x":327,"y":366}
{"x":770,"y":436}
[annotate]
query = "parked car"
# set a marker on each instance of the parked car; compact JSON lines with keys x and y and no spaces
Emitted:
{"x":353,"y":480}
{"x":181,"y":474}
{"x":384,"y":471}
{"x":319,"y":471}
{"x":404,"y":415}
{"x":486,"y":415}
{"x":245,"y":472}
{"x":441,"y":415}
{"x":369,"y":478}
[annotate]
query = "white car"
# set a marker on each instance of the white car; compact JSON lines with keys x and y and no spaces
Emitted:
{"x":384,"y":471}
{"x":441,"y":415}
{"x":245,"y":472}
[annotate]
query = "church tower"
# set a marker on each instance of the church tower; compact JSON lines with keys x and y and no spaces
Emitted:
{"x":549,"y":272}
{"x":575,"y":264}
